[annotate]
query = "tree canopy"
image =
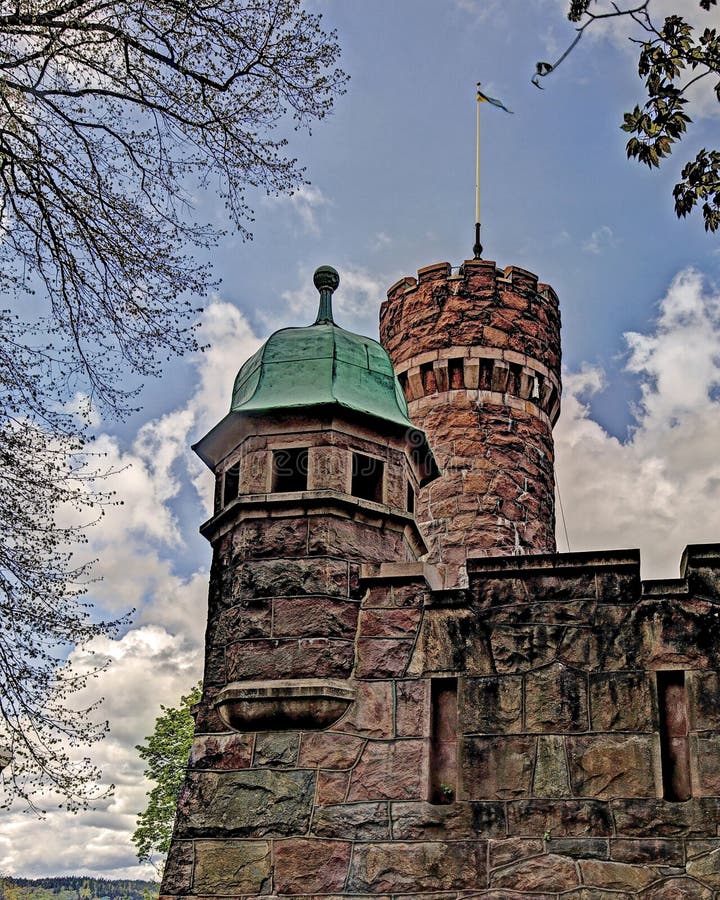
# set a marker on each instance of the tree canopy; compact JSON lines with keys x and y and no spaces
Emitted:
{"x":673,"y":57}
{"x":113,"y":115}
{"x":166,"y":753}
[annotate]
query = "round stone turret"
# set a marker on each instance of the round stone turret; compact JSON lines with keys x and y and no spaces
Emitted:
{"x":477,"y":350}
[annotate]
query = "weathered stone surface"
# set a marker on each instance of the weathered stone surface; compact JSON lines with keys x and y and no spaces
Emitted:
{"x":311,"y":866}
{"x":552,"y":612}
{"x":395,"y":623}
{"x":551,"y":777}
{"x":556,"y":700}
{"x":526,"y":647}
{"x":513,"y":850}
{"x":254,"y":803}
{"x":314,"y":617}
{"x":616,"y":875}
{"x":662,"y":818}
{"x":420,"y":821}
{"x":382,"y":657}
{"x":610,"y":765}
{"x":332,"y":787}
{"x":424,"y":866}
{"x":221,"y":751}
{"x":579,"y":848}
{"x":559,"y":818}
{"x":388,"y":770}
{"x":412,"y":708}
{"x":276,"y":749}
{"x":707,"y":753}
{"x":371,"y":715}
{"x":327,"y":750}
{"x":704,"y":700}
{"x":497,"y":767}
{"x":255,"y":539}
{"x":245,"y":620}
{"x":452,"y":640}
{"x":546,"y":873}
{"x":706,"y":869}
{"x":660,"y":850}
{"x":491,"y":705}
{"x":356,"y":821}
{"x":277,"y":659}
{"x":291,"y":577}
{"x":177,"y":875}
{"x":334,"y":536}
{"x":622,"y":701}
{"x":677,"y":889}
{"x":561,"y":588}
{"x":232,"y":868}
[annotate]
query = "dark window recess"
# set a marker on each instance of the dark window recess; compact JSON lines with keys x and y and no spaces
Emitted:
{"x":231,"y":483}
{"x":410,"y":498}
{"x":427,"y":374}
{"x":367,"y":477}
{"x":456,"y":374}
{"x":485,"y":375}
{"x":443,"y":740}
{"x":674,"y":743}
{"x":402,"y":378}
{"x":290,"y":470}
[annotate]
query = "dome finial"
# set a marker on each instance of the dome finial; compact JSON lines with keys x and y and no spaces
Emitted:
{"x":326,"y":280}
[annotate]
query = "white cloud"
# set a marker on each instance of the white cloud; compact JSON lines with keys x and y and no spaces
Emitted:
{"x":304,"y":203}
{"x":600,"y":240}
{"x":659,"y":489}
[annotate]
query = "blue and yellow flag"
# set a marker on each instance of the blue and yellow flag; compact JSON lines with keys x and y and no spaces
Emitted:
{"x":483,"y":98}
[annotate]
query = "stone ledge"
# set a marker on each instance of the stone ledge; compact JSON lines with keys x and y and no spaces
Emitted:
{"x":393,"y":572}
{"x":548,"y":563}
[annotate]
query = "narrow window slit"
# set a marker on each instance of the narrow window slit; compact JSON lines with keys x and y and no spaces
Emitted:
{"x":443,"y":740}
{"x":456,"y":374}
{"x":290,"y":470}
{"x":231,"y":483}
{"x":674,"y":743}
{"x":367,"y":477}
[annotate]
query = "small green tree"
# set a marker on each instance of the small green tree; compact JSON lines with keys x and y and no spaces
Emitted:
{"x":166,"y":753}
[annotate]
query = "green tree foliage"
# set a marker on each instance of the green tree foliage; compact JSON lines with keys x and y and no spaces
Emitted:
{"x":113,"y":115}
{"x":673,"y":56}
{"x":166,"y":753}
{"x":74,"y":887}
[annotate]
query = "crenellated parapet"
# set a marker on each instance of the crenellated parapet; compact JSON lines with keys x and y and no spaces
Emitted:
{"x":477,"y":352}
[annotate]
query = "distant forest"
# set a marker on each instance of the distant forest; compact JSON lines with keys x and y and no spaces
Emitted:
{"x":76,"y":887}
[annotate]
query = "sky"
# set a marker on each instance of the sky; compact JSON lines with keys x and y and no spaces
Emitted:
{"x":391,"y":189}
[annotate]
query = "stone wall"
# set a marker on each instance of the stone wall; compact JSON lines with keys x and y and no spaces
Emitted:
{"x":478,"y":354}
{"x":506,"y":740}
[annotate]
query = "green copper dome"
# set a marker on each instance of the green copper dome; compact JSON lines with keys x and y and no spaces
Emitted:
{"x":321,"y":365}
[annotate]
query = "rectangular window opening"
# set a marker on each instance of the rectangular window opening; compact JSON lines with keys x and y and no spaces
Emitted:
{"x":290,"y":470}
{"x":443,"y":740}
{"x":674,"y":742}
{"x":410,"y":498}
{"x":367,"y":477}
{"x":231,"y":483}
{"x":456,"y":374}
{"x":427,"y":374}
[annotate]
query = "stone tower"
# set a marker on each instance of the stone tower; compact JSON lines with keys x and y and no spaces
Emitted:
{"x":477,"y":351}
{"x":371,"y":726}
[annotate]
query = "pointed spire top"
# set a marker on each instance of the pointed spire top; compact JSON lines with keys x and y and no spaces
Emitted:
{"x":326,"y":280}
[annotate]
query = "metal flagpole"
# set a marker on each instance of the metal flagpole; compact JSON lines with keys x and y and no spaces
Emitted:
{"x":477,"y":248}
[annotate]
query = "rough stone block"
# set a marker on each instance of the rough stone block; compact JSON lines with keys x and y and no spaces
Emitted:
{"x":704,"y":700}
{"x":382,"y":657}
{"x":255,"y":803}
{"x":648,"y":850}
{"x":677,"y":889}
{"x":556,"y":700}
{"x":622,"y":701}
{"x":276,"y":749}
{"x":291,"y":577}
{"x":606,"y":766}
{"x":221,"y":751}
{"x":617,"y":876}
{"x":329,"y":751}
{"x":418,"y":867}
{"x":354,"y":821}
{"x":276,"y":659}
{"x":177,"y":875}
{"x":551,"y":777}
{"x":232,"y":868}
{"x":311,"y":866}
{"x":662,"y":818}
{"x":420,"y":821}
{"x":496,"y":768}
{"x":491,"y":705}
{"x":559,"y":818}
{"x":547,"y":873}
{"x":512,"y":850}
{"x":707,"y":754}
{"x":389,"y":623}
{"x":412,"y":708}
{"x":371,"y":715}
{"x":706,"y":869}
{"x":314,"y":617}
{"x":332,"y":787}
{"x":389,"y":770}
{"x":524,"y":648}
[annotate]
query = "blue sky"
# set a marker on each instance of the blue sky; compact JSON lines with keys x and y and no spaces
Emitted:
{"x":392,"y":178}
